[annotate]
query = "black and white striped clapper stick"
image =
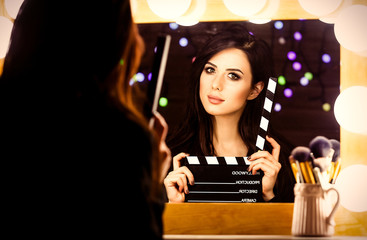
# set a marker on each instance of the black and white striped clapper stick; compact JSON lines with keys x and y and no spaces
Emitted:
{"x":265,"y":116}
{"x":223,"y":179}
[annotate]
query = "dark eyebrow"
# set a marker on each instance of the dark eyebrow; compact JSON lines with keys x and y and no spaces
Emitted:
{"x":228,"y":69}
{"x":212,"y":64}
{"x":234,"y":70}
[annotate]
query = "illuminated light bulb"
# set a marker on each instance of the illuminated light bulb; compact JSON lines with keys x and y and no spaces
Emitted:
{"x":278,"y":25}
{"x":173,"y":26}
{"x":259,"y":20}
{"x":298,"y":36}
{"x":244,"y":8}
{"x":266,"y":13}
{"x":282,"y":40}
{"x":297,"y":66}
{"x":281,"y":80}
{"x":149,"y":76}
{"x":277,"y":107}
{"x":163,"y":102}
{"x":350,"y":29}
{"x":320,"y":8}
{"x":193,"y":59}
{"x":304,"y":81}
{"x":309,"y":75}
{"x":326,"y":58}
{"x":349,"y":109}
{"x":194,"y":13}
{"x":326,"y":107}
{"x":169,"y":9}
{"x":292,"y":55}
{"x":6,"y":26}
{"x":288,"y":92}
{"x":183,"y":42}
{"x":139,"y":77}
{"x":351,"y":186}
{"x":329,"y":20}
{"x":12,"y":7}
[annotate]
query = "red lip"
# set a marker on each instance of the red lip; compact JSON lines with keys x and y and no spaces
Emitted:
{"x":214,"y":99}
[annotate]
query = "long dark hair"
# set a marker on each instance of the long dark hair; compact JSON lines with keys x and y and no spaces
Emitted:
{"x":60,"y":72}
{"x":195,"y":134}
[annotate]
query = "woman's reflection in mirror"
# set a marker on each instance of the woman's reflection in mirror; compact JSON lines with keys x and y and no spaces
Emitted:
{"x":226,"y":96}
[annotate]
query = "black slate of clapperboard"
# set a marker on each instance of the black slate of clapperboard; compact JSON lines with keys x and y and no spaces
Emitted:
{"x":223,"y":183}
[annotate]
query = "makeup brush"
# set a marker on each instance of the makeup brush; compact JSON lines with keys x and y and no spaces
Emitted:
{"x":302,"y":156}
{"x":321,"y":153}
{"x":294,"y":168}
{"x":335,"y":162}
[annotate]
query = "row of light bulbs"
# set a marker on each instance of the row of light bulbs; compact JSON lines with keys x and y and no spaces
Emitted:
{"x":348,"y":18}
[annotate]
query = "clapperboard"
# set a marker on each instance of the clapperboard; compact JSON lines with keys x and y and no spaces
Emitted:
{"x":226,"y":179}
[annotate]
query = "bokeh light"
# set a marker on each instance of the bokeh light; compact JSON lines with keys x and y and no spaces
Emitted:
{"x":309,"y":75}
{"x":298,"y":36}
{"x":281,"y":80}
{"x":350,"y":182}
{"x":326,"y":58}
{"x":183,"y":42}
{"x":139,"y":77}
{"x":297,"y":66}
{"x":173,"y":26}
{"x":288,"y":92}
{"x":278,"y":25}
{"x":282,"y":40}
{"x":350,"y":28}
{"x":326,"y":107}
{"x":163,"y":102}
{"x":292,"y":55}
{"x":277,"y":107}
{"x":193,"y":15}
{"x":304,"y":81}
{"x":320,"y":8}
{"x":244,"y":8}
{"x":349,"y":109}
{"x":169,"y":9}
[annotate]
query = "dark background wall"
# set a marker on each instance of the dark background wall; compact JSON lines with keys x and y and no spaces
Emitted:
{"x":302,"y":116}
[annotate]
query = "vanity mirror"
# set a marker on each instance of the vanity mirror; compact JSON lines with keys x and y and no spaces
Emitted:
{"x":352,"y":73}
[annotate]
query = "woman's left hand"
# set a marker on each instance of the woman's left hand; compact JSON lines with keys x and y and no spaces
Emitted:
{"x":269,"y":164}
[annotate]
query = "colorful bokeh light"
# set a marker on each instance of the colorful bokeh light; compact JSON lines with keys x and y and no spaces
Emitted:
{"x":281,"y":80}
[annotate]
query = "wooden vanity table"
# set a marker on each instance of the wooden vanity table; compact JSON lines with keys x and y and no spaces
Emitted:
{"x":244,"y":221}
{"x":228,"y":218}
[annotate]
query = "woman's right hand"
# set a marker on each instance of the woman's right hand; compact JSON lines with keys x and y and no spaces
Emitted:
{"x":176,"y":181}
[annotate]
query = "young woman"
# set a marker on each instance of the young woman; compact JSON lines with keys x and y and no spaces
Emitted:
{"x":227,"y":81}
{"x":87,"y":163}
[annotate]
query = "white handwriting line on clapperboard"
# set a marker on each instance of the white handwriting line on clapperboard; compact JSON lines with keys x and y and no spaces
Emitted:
{"x":213,"y":201}
{"x":205,"y":183}
{"x":214,"y":192}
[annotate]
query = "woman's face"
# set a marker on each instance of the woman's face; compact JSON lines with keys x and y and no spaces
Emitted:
{"x":225,"y":83}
